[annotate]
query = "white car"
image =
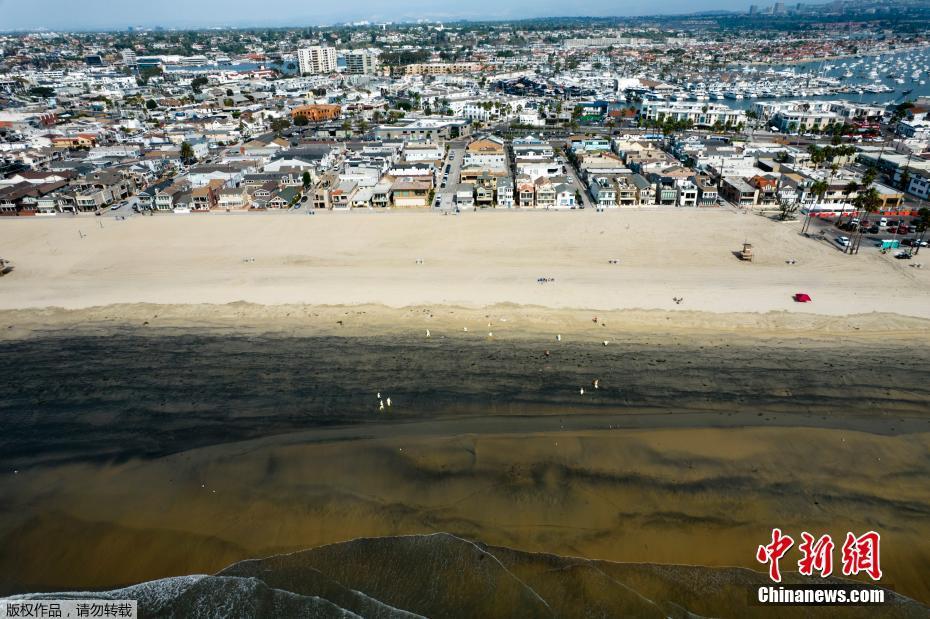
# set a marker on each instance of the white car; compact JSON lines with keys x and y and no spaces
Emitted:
{"x":842,"y":241}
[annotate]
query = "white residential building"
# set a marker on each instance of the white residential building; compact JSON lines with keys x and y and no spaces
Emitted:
{"x":317,"y":60}
{"x":700,"y":113}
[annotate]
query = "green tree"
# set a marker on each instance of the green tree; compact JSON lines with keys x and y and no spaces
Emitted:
{"x":187,"y":152}
{"x":787,"y":210}
{"x":43,"y":92}
{"x":306,"y":179}
{"x":198,"y":83}
{"x":280,"y":124}
{"x":150,"y":104}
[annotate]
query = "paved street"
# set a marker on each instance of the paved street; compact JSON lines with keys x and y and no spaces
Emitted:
{"x":454,"y":159}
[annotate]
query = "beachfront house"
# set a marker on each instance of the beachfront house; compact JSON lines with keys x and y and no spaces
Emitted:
{"x":505,"y":192}
{"x":603,"y":192}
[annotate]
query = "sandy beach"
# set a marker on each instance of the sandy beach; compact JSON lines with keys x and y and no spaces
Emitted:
{"x":179,"y":409}
{"x":472,"y":260}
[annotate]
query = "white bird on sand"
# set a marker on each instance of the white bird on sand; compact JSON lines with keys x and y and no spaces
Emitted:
{"x":427,"y":333}
{"x":606,"y":342}
{"x":582,"y":391}
{"x":380,"y":405}
{"x":465,"y":329}
{"x":379,"y":395}
{"x":389,"y":402}
{"x":597,"y":383}
{"x":558,"y":337}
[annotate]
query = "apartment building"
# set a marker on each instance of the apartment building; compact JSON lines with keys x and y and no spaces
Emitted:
{"x":361,"y":62}
{"x":317,"y":113}
{"x":317,"y":60}
{"x":702,"y":114}
{"x":437,"y":68}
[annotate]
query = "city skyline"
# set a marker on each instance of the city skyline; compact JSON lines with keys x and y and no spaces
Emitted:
{"x":109,"y":15}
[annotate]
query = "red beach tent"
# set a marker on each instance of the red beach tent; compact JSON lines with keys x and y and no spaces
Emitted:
{"x":802,"y":297}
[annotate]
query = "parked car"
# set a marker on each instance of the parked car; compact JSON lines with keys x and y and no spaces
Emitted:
{"x":842,"y":241}
{"x":902,"y":255}
{"x":883,"y":221}
{"x":874,"y":229}
{"x":116,"y":207}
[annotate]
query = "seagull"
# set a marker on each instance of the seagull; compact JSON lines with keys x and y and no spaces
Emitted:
{"x":558,"y":338}
{"x":389,"y":402}
{"x":380,"y":405}
{"x":465,"y":329}
{"x":597,"y":383}
{"x":582,"y":391}
{"x":606,"y":342}
{"x":379,"y":395}
{"x":427,"y":333}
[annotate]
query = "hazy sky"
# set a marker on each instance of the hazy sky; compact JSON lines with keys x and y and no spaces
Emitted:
{"x":89,"y":14}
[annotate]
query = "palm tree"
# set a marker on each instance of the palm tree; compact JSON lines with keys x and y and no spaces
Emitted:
{"x":819,"y":189}
{"x":851,"y":188}
{"x":817,"y":155}
{"x":923,"y":223}
{"x":868,"y":201}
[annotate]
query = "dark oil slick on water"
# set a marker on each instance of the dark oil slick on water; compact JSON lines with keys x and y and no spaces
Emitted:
{"x":133,"y":395}
{"x":165,"y":454}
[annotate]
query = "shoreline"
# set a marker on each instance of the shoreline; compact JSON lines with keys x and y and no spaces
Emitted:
{"x":506,"y":320}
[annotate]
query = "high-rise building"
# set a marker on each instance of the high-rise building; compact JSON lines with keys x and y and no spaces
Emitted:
{"x":129,"y":57}
{"x":361,"y":62}
{"x":316,"y":60}
{"x":779,"y":8}
{"x":753,"y":9}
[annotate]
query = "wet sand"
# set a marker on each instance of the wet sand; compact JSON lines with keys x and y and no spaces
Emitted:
{"x":144,"y":452}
